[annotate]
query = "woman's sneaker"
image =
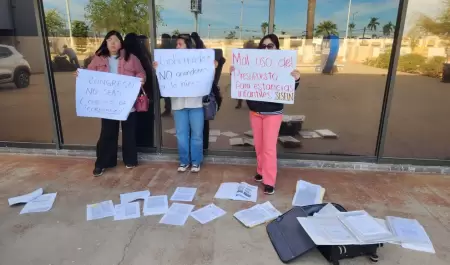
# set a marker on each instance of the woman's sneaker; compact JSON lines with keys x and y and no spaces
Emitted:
{"x":98,"y":171}
{"x":269,"y":190}
{"x":130,"y":166}
{"x":183,"y":168}
{"x":258,"y":178}
{"x":195,"y":169}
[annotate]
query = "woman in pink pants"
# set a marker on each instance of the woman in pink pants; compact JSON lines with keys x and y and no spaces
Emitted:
{"x":265,"y":119}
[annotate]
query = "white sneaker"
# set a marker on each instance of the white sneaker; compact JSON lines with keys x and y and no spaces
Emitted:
{"x":195,"y":169}
{"x":183,"y":168}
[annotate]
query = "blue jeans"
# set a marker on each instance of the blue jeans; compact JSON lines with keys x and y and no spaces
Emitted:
{"x":189,"y":127}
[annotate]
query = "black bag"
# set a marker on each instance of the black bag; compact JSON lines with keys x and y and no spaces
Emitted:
{"x":291,"y":241}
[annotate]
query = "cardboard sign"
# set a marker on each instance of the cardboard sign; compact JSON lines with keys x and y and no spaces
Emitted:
{"x":105,"y":95}
{"x":263,"y":75}
{"x":185,"y":72}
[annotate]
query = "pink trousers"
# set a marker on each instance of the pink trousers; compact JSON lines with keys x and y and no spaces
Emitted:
{"x":265,"y":135}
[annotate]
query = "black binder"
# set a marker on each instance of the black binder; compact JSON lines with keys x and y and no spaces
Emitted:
{"x":291,"y":241}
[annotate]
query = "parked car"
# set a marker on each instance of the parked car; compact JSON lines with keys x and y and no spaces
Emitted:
{"x":13,"y":67}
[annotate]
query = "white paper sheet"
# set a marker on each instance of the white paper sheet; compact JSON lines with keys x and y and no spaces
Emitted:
{"x":212,"y":139}
{"x":411,"y":234}
{"x":271,"y":210}
{"x":325,"y":133}
{"x":26,"y":197}
{"x":125,"y":211}
{"x":171,"y":131}
{"x":208,"y":213}
{"x":307,"y":194}
{"x":40,"y":204}
{"x":229,"y":134}
{"x":184,"y":194}
{"x":249,"y":133}
{"x":214,"y":132}
{"x":365,"y":227}
{"x":236,"y":141}
{"x":132,"y":196}
{"x":328,"y":209}
{"x":99,"y":210}
{"x":156,"y":205}
{"x":237,"y":191}
{"x":309,"y":135}
{"x":327,"y":230}
{"x":177,"y":214}
{"x":257,"y":214}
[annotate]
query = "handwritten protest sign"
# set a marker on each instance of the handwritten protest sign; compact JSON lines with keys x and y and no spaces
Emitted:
{"x":263,"y":75}
{"x":185,"y":72}
{"x":105,"y":95}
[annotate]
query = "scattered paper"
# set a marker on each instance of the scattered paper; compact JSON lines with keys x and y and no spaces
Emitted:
{"x":410,"y":233}
{"x":327,"y":230}
{"x":184,"y":194}
{"x":307,"y":194}
{"x":309,"y":134}
{"x":325,"y":133}
{"x":40,"y":204}
{"x":177,"y":214}
{"x":208,"y":213}
{"x":156,"y":205}
{"x":237,"y":191}
{"x":285,"y":139}
{"x":230,"y":134}
{"x":236,"y":142}
{"x":249,"y":133}
{"x":132,"y":196}
{"x":258,"y":214}
{"x":365,"y":227}
{"x":212,"y":139}
{"x":249,"y":142}
{"x":25,"y":198}
{"x":171,"y":131}
{"x":290,"y":118}
{"x":328,"y":209}
{"x":125,"y":211}
{"x":99,"y":210}
{"x":214,"y":132}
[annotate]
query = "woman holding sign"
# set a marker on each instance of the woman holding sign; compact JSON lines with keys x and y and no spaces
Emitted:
{"x":265,"y":119}
{"x":113,"y":58}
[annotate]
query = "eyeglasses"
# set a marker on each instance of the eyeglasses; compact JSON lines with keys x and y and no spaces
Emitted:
{"x":267,"y":46}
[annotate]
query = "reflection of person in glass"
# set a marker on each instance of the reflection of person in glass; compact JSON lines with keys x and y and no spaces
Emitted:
{"x":73,"y":59}
{"x":113,"y":58}
{"x":166,"y":43}
{"x":138,"y":46}
{"x":189,"y":118}
{"x":265,"y":119}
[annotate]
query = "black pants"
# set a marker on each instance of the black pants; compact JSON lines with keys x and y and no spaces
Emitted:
{"x":108,"y":142}
{"x":206,"y":135}
{"x":167,"y":105}
{"x":144,"y":128}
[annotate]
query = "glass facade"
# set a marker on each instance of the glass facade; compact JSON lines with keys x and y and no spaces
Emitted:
{"x":383,"y":97}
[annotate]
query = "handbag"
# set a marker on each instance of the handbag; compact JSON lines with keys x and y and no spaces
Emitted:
{"x":209,"y":107}
{"x":142,"y":102}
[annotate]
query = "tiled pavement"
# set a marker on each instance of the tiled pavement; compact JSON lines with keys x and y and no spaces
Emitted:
{"x":62,"y":236}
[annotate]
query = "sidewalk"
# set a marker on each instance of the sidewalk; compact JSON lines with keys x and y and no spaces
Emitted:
{"x":64,"y":237}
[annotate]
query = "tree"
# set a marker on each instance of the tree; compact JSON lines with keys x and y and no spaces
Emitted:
{"x":264,"y":27}
{"x":373,"y":23}
{"x":176,"y":32}
{"x":326,"y":28}
{"x":80,"y":33}
{"x":388,"y":29}
{"x":283,"y":32}
{"x":54,"y":21}
{"x":231,"y":35}
{"x":351,"y":27}
{"x":122,"y":15}
{"x":310,"y":19}
{"x":440,"y":25}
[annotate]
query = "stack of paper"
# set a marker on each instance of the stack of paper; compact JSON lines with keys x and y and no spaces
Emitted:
{"x":184,"y":194}
{"x":229,"y":134}
{"x":410,"y":233}
{"x":156,"y":205}
{"x":325,"y":133}
{"x":99,"y":210}
{"x":237,"y":191}
{"x":125,"y":211}
{"x":290,"y":118}
{"x":241,"y":142}
{"x":249,"y":133}
{"x":208,"y":213}
{"x":327,"y":230}
{"x":258,"y":214}
{"x":307,"y":194}
{"x":365,"y":227}
{"x":328,"y":209}
{"x":171,"y":131}
{"x":214,"y":132}
{"x":133,"y":196}
{"x":177,"y":214}
{"x":309,"y":135}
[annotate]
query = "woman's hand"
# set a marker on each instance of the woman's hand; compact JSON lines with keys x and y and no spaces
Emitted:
{"x":75,"y":73}
{"x":231,"y":69}
{"x":155,"y":65}
{"x":142,"y":82}
{"x":295,"y":74}
{"x":216,"y":64}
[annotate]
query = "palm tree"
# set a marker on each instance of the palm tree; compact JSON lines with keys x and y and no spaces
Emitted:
{"x":388,"y":29}
{"x":264,"y":27}
{"x":310,"y":19}
{"x":326,"y":28}
{"x":351,"y":27}
{"x":373,"y":23}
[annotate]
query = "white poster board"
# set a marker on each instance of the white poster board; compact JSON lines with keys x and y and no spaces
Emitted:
{"x":263,"y":75}
{"x":105,"y":95}
{"x":185,"y":72}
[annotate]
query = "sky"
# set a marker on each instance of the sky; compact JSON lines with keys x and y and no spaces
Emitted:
{"x":223,"y":16}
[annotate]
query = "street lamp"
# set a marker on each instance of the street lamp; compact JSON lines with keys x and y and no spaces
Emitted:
{"x":69,"y":22}
{"x":242,"y":16}
{"x":346,"y":30}
{"x":196,"y":8}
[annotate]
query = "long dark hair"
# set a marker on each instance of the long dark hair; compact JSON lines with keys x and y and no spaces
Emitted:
{"x":198,"y":41}
{"x":187,"y":40}
{"x":103,"y":49}
{"x":135,"y":44}
{"x":273,"y":38}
